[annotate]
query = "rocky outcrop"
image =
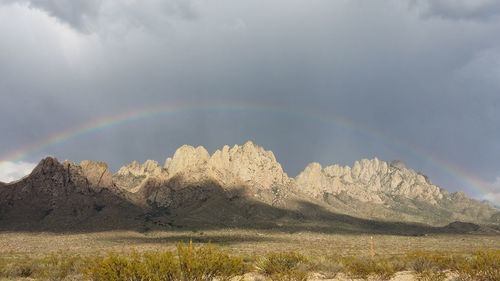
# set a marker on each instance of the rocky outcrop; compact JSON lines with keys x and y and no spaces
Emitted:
{"x":97,"y":174}
{"x":246,"y":165}
{"x":192,"y":173}
{"x":368,"y":181}
{"x":65,"y":195}
{"x":380,"y":190}
{"x":132,"y":176}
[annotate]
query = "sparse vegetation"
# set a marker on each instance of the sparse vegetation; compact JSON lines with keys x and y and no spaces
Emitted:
{"x":52,"y":267}
{"x":190,"y":263}
{"x":285,"y":266}
{"x":207,"y":262}
{"x":287,"y":260}
{"x":481,"y":266}
{"x":364,"y":267}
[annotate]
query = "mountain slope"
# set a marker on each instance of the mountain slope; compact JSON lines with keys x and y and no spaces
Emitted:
{"x":66,"y":196}
{"x":235,"y":186}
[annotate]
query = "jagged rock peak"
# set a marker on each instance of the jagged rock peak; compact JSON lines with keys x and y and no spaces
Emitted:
{"x":246,"y":164}
{"x":250,"y":164}
{"x":149,"y":167}
{"x":368,"y":180}
{"x":187,"y":158}
{"x":50,"y":172}
{"x":47,"y":165}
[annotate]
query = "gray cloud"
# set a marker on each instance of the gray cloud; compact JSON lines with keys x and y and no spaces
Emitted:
{"x":460,"y":9}
{"x":78,"y":13}
{"x":98,"y":15}
{"x":411,"y":87}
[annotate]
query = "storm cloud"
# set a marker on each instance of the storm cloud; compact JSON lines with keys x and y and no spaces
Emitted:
{"x":95,"y":15}
{"x":460,"y":9}
{"x":412,"y":80}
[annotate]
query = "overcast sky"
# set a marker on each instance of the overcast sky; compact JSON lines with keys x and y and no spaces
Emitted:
{"x":414,"y":80}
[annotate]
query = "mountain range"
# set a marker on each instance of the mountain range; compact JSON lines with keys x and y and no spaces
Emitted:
{"x":239,"y":186}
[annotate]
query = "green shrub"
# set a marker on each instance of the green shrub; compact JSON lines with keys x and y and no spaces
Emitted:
{"x":287,"y":266}
{"x":207,"y":262}
{"x":481,"y":266}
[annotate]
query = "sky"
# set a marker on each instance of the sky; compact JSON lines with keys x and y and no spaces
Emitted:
{"x":312,"y":80}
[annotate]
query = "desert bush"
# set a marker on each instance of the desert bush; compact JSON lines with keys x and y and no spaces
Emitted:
{"x":382,"y":269}
{"x":286,"y":266}
{"x":481,"y":266}
{"x":57,"y":267}
{"x":419,"y":261}
{"x":431,"y":266}
{"x":110,"y":267}
{"x":329,"y":266}
{"x":207,"y":262}
{"x":161,"y":266}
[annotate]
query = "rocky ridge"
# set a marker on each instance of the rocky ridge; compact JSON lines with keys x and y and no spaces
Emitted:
{"x":368,"y":181}
{"x":392,"y":191}
{"x":239,"y":183}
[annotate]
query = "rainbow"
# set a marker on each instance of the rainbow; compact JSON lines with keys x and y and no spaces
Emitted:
{"x":469,"y":181}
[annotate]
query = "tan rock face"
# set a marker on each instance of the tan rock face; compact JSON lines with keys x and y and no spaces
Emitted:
{"x":248,"y":164}
{"x":368,"y":181}
{"x":188,"y":158}
{"x":131,"y":177}
{"x":240,"y":165}
{"x":150,"y":167}
{"x":97,"y":173}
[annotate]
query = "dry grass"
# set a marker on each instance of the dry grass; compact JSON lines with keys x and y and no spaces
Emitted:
{"x":280,"y":256}
{"x":284,"y":266}
{"x":243,"y":242}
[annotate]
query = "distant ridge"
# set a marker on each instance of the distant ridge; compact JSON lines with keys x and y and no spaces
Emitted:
{"x":243,"y":185}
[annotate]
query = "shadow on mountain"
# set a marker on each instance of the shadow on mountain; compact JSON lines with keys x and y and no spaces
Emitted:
{"x":205,"y":206}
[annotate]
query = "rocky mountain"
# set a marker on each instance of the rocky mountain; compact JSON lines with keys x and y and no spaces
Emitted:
{"x":377,"y":189}
{"x":243,"y":185}
{"x":63,"y":195}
